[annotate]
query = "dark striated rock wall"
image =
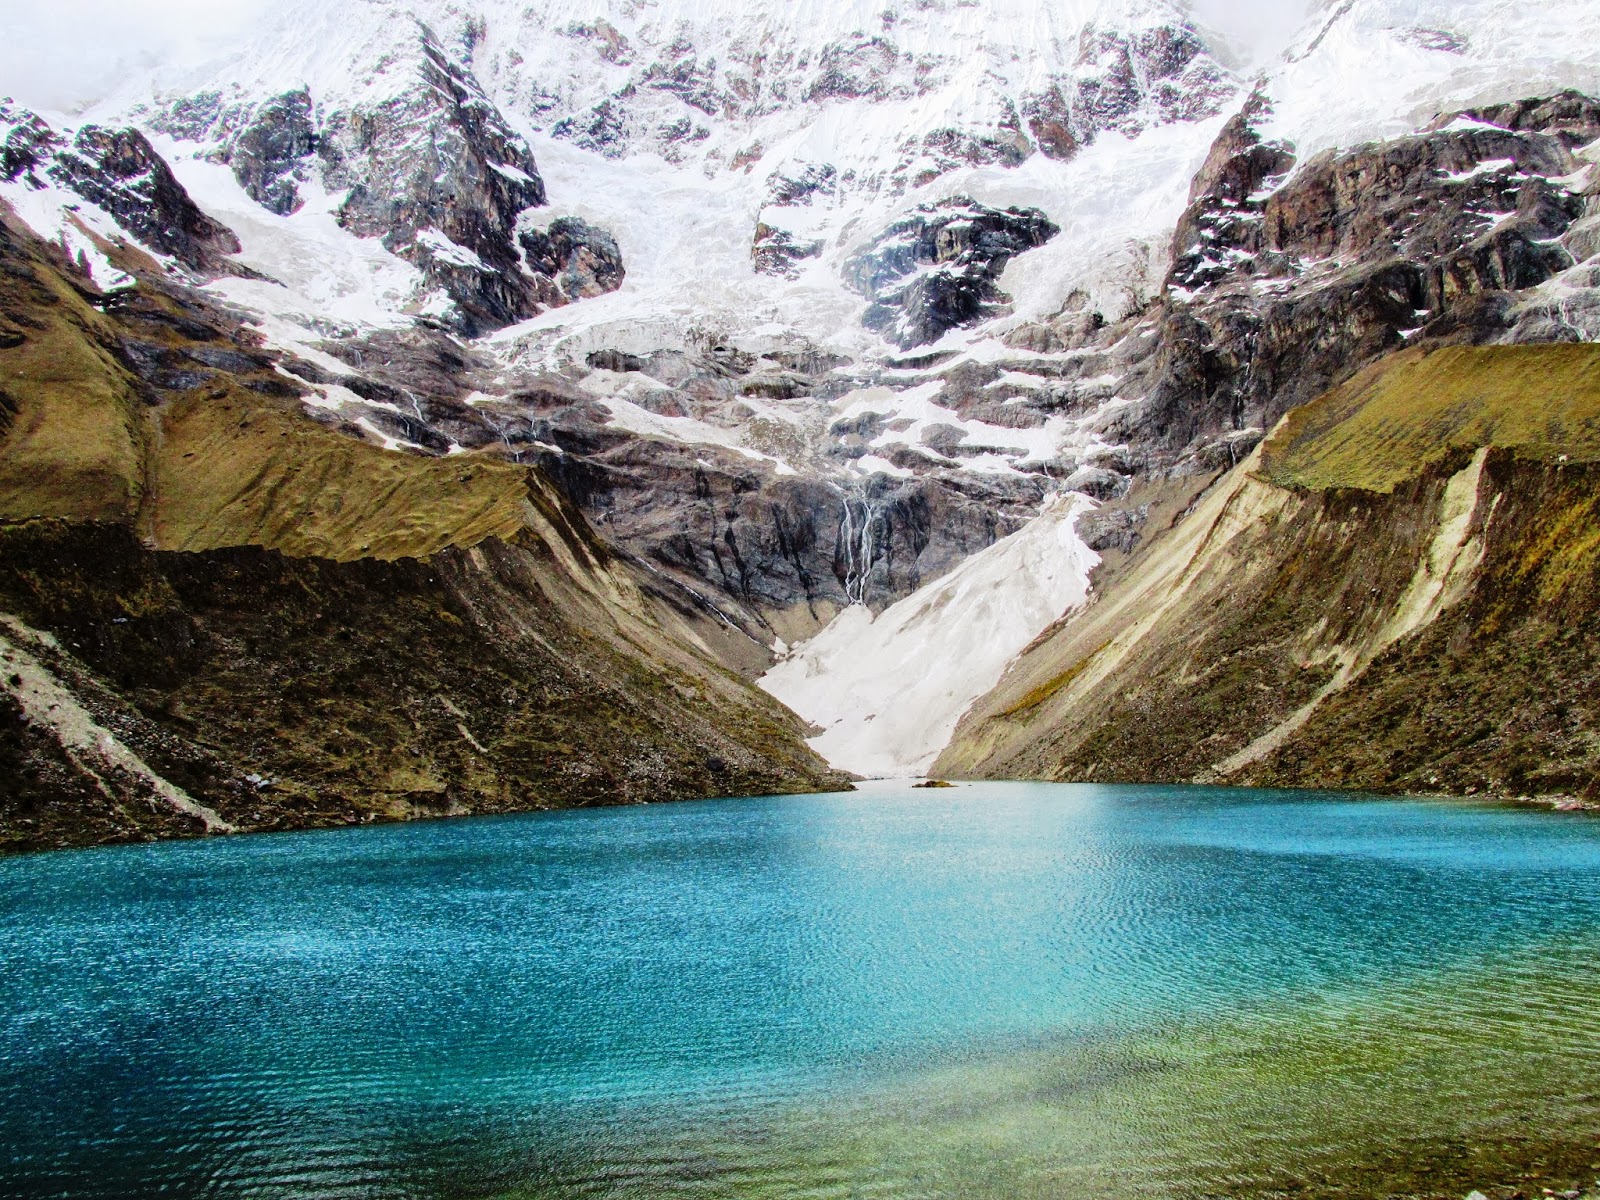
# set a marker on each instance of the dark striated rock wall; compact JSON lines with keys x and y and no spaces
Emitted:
{"x":1284,"y":284}
{"x":118,"y":170}
{"x":936,"y":269}
{"x":1288,"y":277}
{"x":269,"y":155}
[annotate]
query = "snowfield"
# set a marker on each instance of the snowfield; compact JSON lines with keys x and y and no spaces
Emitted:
{"x":889,"y":690}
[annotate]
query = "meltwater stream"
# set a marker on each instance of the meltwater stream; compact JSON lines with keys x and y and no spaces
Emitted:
{"x":1007,"y":990}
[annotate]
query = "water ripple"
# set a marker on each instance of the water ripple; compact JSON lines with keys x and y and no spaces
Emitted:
{"x":1013,"y":991}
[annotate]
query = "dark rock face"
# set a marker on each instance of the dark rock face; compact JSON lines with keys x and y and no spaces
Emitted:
{"x":802,"y":185}
{"x":600,"y":129}
{"x":770,"y":543}
{"x":436,"y":172}
{"x":855,"y":69}
{"x":119,"y":171}
{"x":935,"y":269}
{"x":1125,"y":83}
{"x":1364,"y":203}
{"x":1286,"y":281}
{"x":440,"y":177}
{"x":1569,"y":116}
{"x":270,"y":152}
{"x":29,"y":146}
{"x":581,"y":260}
{"x":682,"y":73}
{"x":775,"y":249}
{"x":610,"y":44}
{"x":1224,"y":210}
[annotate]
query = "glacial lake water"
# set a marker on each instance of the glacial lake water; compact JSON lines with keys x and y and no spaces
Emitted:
{"x":998,"y":990}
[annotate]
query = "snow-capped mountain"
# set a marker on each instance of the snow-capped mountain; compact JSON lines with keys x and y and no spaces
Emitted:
{"x":753,"y":141}
{"x":805,"y":306}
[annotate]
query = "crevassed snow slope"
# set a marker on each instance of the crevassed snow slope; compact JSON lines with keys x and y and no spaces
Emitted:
{"x":889,"y":690}
{"x":1367,"y":69}
{"x":317,"y":273}
{"x":746,"y":92}
{"x":1360,"y":69}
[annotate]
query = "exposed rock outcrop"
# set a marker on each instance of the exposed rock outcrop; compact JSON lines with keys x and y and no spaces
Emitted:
{"x":778,"y":249}
{"x":439,"y":176}
{"x":121,"y":173}
{"x":777,"y":548}
{"x":936,"y":269}
{"x":1126,"y":82}
{"x":271,"y":155}
{"x":579,"y":259}
{"x":1289,"y":287}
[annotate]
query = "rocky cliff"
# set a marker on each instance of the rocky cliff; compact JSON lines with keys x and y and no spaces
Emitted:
{"x":1389,"y":594}
{"x":423,"y":160}
{"x":218,"y":614}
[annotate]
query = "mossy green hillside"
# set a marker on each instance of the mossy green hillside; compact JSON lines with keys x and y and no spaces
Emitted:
{"x":69,"y":414}
{"x":1414,"y":410}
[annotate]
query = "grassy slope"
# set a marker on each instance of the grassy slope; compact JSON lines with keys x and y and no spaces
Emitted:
{"x":1501,"y":694}
{"x":231,"y":471}
{"x":1413,"y":411}
{"x":1449,"y":628}
{"x":236,"y":591}
{"x":73,"y":444}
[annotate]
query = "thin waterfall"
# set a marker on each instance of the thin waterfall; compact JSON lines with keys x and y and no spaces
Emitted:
{"x":858,"y":542}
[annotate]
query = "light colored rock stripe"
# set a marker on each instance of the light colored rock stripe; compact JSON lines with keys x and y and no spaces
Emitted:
{"x":48,"y":705}
{"x":1441,"y":580}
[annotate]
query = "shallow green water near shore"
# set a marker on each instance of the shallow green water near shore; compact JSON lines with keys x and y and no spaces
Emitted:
{"x":1001,"y":990}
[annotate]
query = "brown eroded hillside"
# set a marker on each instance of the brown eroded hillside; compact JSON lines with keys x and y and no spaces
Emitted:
{"x":219,"y":614}
{"x":1394,"y":592}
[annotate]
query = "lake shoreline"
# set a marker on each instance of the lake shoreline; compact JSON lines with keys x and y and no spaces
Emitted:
{"x":1559,"y":803}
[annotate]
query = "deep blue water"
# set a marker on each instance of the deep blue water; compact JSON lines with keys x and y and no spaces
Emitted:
{"x":464,"y":1007}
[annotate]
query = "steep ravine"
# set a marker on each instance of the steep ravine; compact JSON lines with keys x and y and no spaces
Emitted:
{"x":1393,"y":593}
{"x":219,"y":615}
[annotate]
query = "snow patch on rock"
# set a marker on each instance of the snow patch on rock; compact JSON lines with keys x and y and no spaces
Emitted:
{"x":888,"y":690}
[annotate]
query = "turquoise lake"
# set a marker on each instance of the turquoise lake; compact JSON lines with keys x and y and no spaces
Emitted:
{"x":1001,"y":989}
